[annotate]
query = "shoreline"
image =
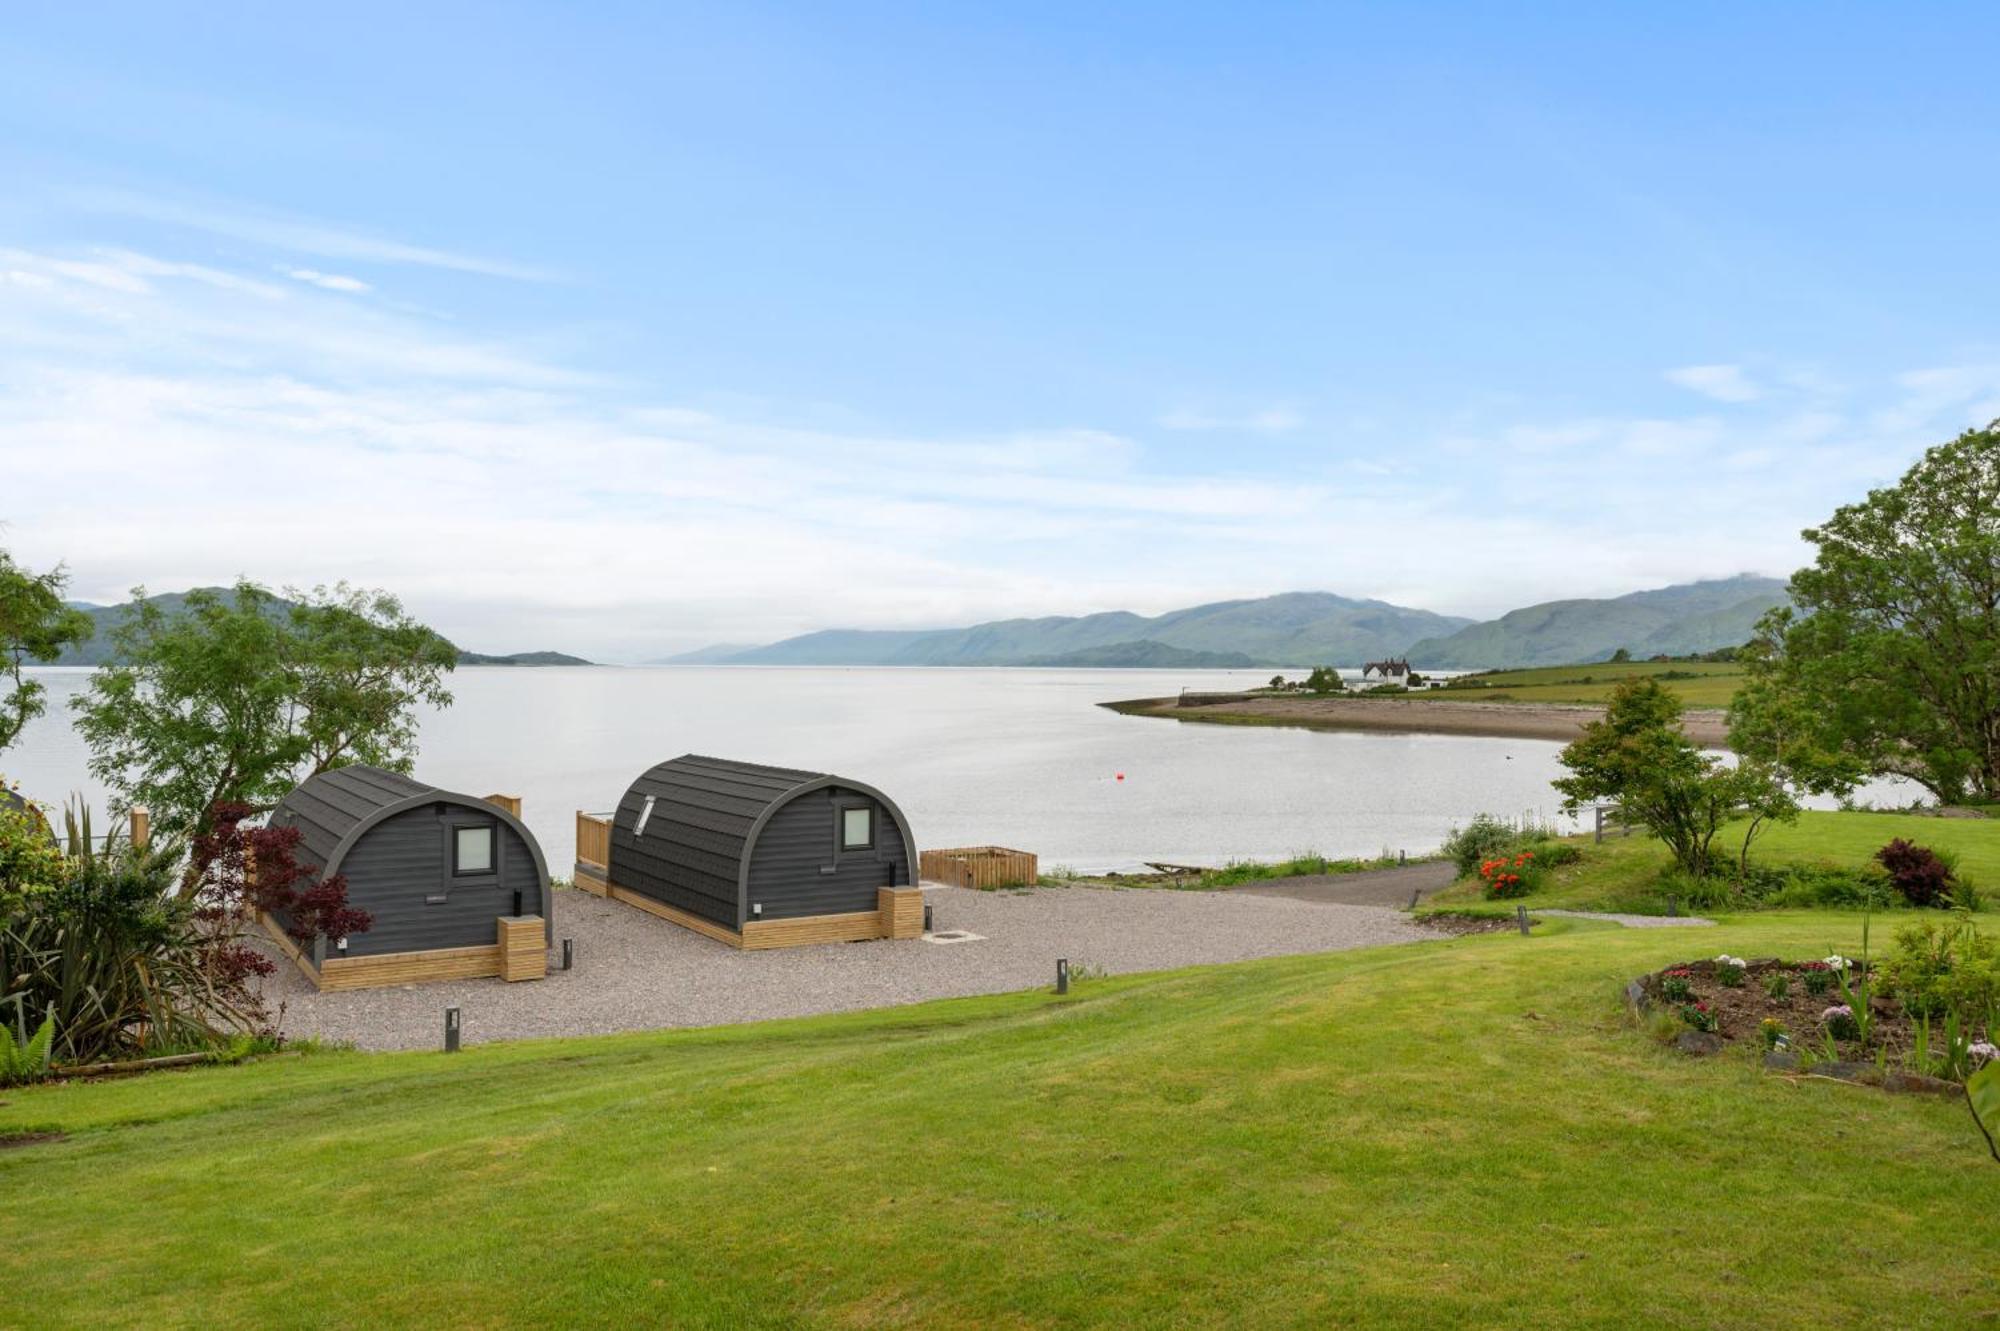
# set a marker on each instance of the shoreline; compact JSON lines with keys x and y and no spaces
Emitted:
{"x":1560,"y":722}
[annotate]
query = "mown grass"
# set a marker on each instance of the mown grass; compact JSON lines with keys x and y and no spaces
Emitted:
{"x":1712,"y":684}
{"x":1627,"y":872}
{"x":1467,"y":1132}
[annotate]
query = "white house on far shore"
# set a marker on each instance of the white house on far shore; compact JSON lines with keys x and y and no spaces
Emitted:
{"x":1396,"y":670}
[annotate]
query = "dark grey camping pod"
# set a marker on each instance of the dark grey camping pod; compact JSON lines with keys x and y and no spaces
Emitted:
{"x":12,"y":801}
{"x":760,"y":856}
{"x":456,"y":884}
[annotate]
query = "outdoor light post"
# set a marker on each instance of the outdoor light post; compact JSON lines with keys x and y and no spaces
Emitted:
{"x":569,"y":953}
{"x":1062,"y":975}
{"x":451,"y":1030}
{"x":1521,"y":918}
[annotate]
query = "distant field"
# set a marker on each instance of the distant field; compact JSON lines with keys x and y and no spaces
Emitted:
{"x":1699,"y":684}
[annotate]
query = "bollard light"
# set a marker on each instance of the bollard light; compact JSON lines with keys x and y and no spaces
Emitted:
{"x":927,"y":917}
{"x":451,"y":1030}
{"x":1521,"y":918}
{"x":1414,"y":894}
{"x":1402,"y":857}
{"x":569,"y":953}
{"x":1062,"y":975}
{"x":1673,"y":906}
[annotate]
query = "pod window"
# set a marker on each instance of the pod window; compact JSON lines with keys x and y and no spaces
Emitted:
{"x":639,"y":828}
{"x":471,"y":850}
{"x":857,"y":828}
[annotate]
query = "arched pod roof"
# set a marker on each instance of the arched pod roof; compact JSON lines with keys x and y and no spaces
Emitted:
{"x":334,"y":809}
{"x":716,"y":807}
{"x":12,"y":801}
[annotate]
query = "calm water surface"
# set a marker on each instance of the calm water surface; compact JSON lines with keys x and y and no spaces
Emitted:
{"x":974,"y":756}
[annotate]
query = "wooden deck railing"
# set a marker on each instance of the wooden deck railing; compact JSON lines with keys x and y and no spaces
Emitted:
{"x":593,"y":839}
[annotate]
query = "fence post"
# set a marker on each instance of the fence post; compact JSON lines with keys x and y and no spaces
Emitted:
{"x":142,"y":828}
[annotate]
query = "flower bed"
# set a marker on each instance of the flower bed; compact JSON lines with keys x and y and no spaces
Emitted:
{"x":1802,"y":1014}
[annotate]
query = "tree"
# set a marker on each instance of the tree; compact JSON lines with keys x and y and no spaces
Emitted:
{"x":35,"y":625}
{"x":240,"y":696}
{"x":1622,"y":655}
{"x":1890,"y":663}
{"x":1324,"y":679}
{"x":1638,"y":757}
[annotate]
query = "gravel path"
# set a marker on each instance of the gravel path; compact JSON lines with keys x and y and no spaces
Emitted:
{"x":1370,"y":887}
{"x":636,"y":972}
{"x":1634,"y":921}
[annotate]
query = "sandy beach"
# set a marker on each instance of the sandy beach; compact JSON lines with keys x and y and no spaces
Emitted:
{"x":1420,"y":715}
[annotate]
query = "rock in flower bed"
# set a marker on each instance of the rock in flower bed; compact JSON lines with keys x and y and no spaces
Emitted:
{"x":1821,"y":1015}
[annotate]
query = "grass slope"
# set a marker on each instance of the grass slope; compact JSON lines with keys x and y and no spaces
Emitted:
{"x":1459,"y":1133}
{"x":1623,"y":874}
{"x":1711,"y":685}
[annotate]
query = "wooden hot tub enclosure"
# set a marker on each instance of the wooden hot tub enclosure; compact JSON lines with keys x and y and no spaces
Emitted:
{"x":456,"y":884}
{"x":980,"y":866}
{"x":755,"y":856}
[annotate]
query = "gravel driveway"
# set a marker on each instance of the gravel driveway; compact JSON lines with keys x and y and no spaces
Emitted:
{"x":636,"y":972}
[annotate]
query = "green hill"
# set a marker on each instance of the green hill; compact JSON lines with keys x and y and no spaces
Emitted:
{"x":1145,"y":655}
{"x":1675,"y":621}
{"x":97,"y":650}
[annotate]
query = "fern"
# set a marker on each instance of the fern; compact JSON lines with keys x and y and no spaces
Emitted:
{"x":26,"y":1062}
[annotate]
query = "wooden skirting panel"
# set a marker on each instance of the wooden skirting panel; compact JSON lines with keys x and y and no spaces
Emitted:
{"x":524,"y":947}
{"x":720,"y":933}
{"x":899,"y":914}
{"x":588,"y":877}
{"x":854,"y":927}
{"x":902,"y":911}
{"x":287,"y":946}
{"x":443,"y":963}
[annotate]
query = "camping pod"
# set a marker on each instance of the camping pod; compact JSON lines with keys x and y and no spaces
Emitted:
{"x":456,"y":885}
{"x":756,"y":856}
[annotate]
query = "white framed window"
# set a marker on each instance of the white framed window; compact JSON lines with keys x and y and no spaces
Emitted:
{"x":857,"y":827}
{"x":471,"y":850}
{"x":639,"y":828}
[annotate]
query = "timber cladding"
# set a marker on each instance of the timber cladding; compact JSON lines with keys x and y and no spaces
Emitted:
{"x":980,"y":867}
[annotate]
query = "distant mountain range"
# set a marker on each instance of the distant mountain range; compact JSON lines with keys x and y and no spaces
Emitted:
{"x":1305,"y":629}
{"x":1672,"y":621}
{"x":97,"y":649}
{"x":1292,"y":629}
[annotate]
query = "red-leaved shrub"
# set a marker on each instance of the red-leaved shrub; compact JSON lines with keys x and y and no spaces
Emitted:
{"x":1919,"y":874}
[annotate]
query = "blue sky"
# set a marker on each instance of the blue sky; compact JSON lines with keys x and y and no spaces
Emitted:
{"x":638,"y":327}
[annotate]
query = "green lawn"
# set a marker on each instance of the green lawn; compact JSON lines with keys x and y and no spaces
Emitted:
{"x":1466,"y":1132}
{"x":1713,"y":684}
{"x":1622,"y":874}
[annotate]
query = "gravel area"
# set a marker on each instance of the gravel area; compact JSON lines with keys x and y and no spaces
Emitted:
{"x":1633,"y":921}
{"x":636,"y":972}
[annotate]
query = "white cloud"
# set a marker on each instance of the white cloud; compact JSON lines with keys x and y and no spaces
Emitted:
{"x":299,"y":235}
{"x":1724,"y":383}
{"x":1271,"y":420}
{"x":177,"y":425}
{"x":329,"y":281}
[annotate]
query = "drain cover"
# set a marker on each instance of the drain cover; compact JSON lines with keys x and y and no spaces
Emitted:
{"x":954,"y":936}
